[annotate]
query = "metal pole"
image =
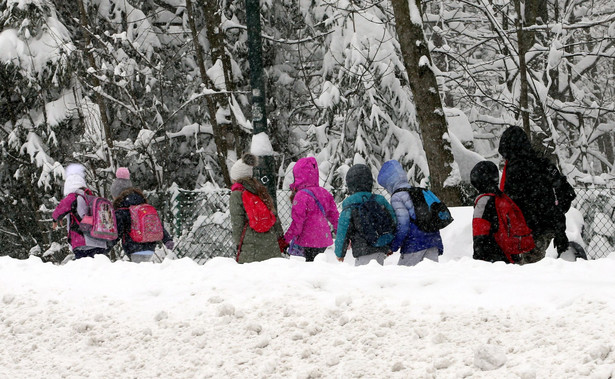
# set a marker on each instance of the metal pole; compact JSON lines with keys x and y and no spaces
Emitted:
{"x":264,"y":171}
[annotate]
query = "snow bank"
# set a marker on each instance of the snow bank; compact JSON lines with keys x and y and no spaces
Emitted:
{"x":287,"y":318}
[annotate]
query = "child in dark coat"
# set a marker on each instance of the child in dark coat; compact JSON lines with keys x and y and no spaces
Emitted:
{"x":360,"y":181}
{"x":485,"y":177}
{"x":124,"y":196}
{"x":252,"y":246}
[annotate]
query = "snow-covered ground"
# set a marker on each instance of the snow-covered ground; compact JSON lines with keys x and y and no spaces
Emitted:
{"x":288,"y":319}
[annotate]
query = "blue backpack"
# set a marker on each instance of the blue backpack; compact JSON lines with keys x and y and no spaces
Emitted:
{"x":431,"y":214}
{"x":375,"y":222}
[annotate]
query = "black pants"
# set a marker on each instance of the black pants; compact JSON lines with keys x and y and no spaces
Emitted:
{"x":312,"y":252}
{"x":90,"y":252}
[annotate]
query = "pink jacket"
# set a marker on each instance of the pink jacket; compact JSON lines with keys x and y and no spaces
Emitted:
{"x":72,"y":205}
{"x":309,"y":227}
{"x":64,"y":208}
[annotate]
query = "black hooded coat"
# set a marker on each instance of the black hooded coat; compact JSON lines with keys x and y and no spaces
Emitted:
{"x":529,"y":180}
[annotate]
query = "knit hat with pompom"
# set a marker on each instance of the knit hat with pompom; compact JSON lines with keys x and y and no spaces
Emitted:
{"x":121,"y":182}
{"x":244,"y":167}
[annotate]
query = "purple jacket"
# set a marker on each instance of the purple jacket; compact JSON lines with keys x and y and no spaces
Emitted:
{"x":309,"y":227}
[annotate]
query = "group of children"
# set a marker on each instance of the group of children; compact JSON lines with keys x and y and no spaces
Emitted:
{"x":514,"y":220}
{"x":76,"y":206}
{"x":316,"y":219}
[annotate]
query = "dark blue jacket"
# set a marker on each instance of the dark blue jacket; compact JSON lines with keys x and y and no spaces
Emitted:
{"x":122,"y":214}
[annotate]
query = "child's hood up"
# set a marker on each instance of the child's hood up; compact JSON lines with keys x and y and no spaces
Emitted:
{"x":392,"y":176}
{"x":305,"y":172}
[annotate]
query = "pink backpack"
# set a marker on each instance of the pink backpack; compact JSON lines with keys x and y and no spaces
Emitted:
{"x":145,"y":224}
{"x":99,"y":220}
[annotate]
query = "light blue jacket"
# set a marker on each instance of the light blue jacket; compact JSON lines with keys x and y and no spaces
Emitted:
{"x":408,"y":237}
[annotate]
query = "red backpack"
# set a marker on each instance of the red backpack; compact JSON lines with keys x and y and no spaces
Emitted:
{"x":260,"y":218}
{"x":513,"y":235}
{"x":145,"y":224}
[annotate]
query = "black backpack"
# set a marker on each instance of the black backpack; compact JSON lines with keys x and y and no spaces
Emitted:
{"x":375,"y":222}
{"x":431,"y":213}
{"x":564,"y":192}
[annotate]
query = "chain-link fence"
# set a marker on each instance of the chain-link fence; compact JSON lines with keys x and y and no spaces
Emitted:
{"x":202,"y":227}
{"x":202,"y":224}
{"x":597,"y":206}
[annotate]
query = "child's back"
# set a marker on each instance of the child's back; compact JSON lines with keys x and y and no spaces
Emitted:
{"x":370,"y":239}
{"x":414,"y":244}
{"x":74,"y":206}
{"x":484,"y":177}
{"x":313,"y":209}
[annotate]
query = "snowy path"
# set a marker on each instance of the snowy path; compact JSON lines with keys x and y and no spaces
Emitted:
{"x":283,"y":318}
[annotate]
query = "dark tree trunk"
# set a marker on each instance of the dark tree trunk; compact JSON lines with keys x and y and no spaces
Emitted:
{"x":87,"y":48}
{"x":525,"y":41}
{"x":215,"y":36}
{"x":211,"y":106}
{"x":431,"y":118}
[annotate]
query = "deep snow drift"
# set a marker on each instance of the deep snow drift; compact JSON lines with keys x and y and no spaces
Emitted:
{"x":286,"y":318}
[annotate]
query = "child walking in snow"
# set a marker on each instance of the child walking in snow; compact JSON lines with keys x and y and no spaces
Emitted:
{"x":72,"y":208}
{"x":371,"y":244}
{"x":414,"y":244}
{"x":485,"y":178}
{"x":125,"y":196}
{"x":256,"y":230}
{"x":313,"y":208}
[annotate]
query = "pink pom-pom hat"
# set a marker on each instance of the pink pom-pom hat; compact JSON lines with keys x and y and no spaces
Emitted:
{"x":122,"y":173}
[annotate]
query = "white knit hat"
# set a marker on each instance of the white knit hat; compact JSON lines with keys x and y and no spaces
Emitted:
{"x":244,"y":167}
{"x":74,"y":178}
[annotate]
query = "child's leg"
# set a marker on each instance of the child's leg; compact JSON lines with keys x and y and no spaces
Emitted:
{"x":365,"y":259}
{"x":432,"y":254}
{"x":412,"y":259}
{"x":312,"y":252}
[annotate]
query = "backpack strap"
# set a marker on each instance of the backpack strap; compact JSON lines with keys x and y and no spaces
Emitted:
{"x":409,"y":191}
{"x":322,"y":209}
{"x":243,"y":235}
{"x":483,"y":195}
{"x":503,"y":181}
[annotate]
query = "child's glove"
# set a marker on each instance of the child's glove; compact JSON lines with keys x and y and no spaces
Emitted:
{"x":169,"y":244}
{"x":283,"y":245}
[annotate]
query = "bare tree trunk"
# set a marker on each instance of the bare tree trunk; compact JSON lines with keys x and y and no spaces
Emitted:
{"x":213,"y":21}
{"x":95,"y":82}
{"x":524,"y":42}
{"x":431,"y":118}
{"x":211,"y":106}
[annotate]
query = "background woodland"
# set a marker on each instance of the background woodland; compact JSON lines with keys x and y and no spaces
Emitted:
{"x":162,"y":87}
